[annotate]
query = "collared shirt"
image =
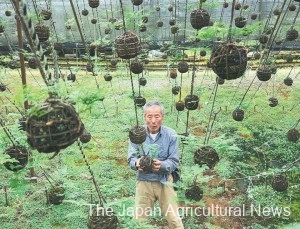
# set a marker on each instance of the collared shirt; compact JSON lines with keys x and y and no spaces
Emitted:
{"x":164,"y":148}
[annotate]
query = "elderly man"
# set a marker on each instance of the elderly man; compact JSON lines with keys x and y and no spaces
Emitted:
{"x":156,"y":184}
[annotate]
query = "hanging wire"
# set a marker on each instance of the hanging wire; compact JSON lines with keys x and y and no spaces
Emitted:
{"x":102,"y":200}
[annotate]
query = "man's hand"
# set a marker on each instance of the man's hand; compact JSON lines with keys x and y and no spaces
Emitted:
{"x":156,"y":165}
{"x":137,"y":165}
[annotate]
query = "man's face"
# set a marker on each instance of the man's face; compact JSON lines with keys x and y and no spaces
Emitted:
{"x":153,"y":118}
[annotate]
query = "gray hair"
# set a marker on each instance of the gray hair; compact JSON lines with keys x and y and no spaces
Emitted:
{"x":152,"y":104}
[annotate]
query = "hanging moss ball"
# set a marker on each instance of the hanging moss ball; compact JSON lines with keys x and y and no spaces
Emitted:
{"x":2,"y":87}
{"x":292,"y":34}
{"x":176,"y":90}
{"x":191,"y":102}
{"x":240,"y":22}
{"x":53,"y":125}
{"x":128,"y":45}
{"x":140,"y":101}
{"x":85,"y":137}
{"x":280,"y":183}
{"x":137,"y":134}
{"x":84,"y":12}
{"x":206,"y":155}
{"x":71,"y":77}
{"x":107,"y":77}
{"x":293,"y":135}
{"x":142,"y":81}
{"x":273,"y":102}
{"x":56,"y":194}
{"x":238,"y":114}
{"x":94,"y":3}
{"x":103,"y":220}
{"x":46,"y":14}
{"x":264,"y":73}
{"x":136,"y":66}
{"x":194,"y":192}
{"x":20,"y":154}
{"x":183,"y":67}
{"x":159,"y":23}
{"x":180,"y":105}
{"x":288,"y":81}
{"x":199,"y":18}
{"x":229,"y":61}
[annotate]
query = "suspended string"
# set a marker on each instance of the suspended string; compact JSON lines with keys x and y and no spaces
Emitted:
{"x":83,"y":40}
{"x":102,"y":201}
{"x":10,"y":136}
{"x":32,"y":38}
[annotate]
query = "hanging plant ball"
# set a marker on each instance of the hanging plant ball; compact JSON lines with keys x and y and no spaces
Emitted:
{"x":85,"y":137}
{"x":219,"y":80}
{"x":53,"y":125}
{"x":94,"y":21}
{"x":128,"y":45}
{"x":225,"y":5}
{"x":183,"y":67}
{"x":194,"y":192}
{"x":113,"y":61}
{"x":280,"y":183}
{"x":256,"y":55}
{"x":146,"y":163}
{"x":94,"y":3}
{"x":45,"y":14}
{"x":8,"y":13}
{"x":58,"y":46}
{"x":89,"y":67}
{"x":202,"y":53}
{"x":105,"y":221}
{"x":199,"y":18}
{"x":2,"y":87}
{"x":137,"y":2}
{"x":175,"y":90}
{"x":288,"y":81}
{"x":136,"y":66}
{"x":263,"y":39}
{"x":245,"y":7}
{"x":144,"y":19}
{"x":143,"y":28}
{"x":264,"y":73}
{"x":293,"y":135}
{"x":292,"y":34}
{"x":191,"y":102}
{"x":292,"y":7}
{"x":289,"y":58}
{"x":13,"y":64}
{"x":173,"y":73}
{"x":56,"y":194}
{"x":42,"y":31}
{"x":273,"y":102}
{"x":253,"y":16}
{"x":140,"y":101}
{"x":84,"y":12}
{"x":142,"y":81}
{"x":170,"y":8}
{"x":179,"y":105}
{"x":206,"y":155}
{"x":157,"y":8}
{"x":172,"y":21}
{"x":238,"y":114}
{"x":237,"y":6}
{"x":33,"y":62}
{"x":229,"y":61}
{"x":112,"y":20}
{"x":277,"y":12}
{"x":240,"y":22}
{"x":20,"y":154}
{"x":107,"y":77}
{"x":107,"y":30}
{"x":137,"y":134}
{"x":159,"y":23}
{"x":174,"y":29}
{"x":71,"y":77}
